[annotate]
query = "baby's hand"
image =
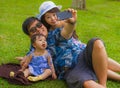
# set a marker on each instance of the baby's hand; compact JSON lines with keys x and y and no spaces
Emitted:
{"x":54,"y":76}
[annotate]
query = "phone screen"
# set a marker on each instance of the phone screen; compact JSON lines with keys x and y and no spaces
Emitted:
{"x":64,"y":15}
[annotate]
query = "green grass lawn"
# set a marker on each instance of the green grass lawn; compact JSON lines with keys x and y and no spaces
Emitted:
{"x":100,"y":19}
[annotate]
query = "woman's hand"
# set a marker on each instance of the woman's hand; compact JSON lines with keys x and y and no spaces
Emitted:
{"x":69,"y":25}
{"x":74,"y":16}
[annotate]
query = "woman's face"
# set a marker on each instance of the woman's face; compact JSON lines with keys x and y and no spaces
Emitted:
{"x":51,"y":18}
{"x":36,"y":27}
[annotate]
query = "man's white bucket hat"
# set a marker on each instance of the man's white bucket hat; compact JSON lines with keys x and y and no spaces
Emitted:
{"x":45,"y":7}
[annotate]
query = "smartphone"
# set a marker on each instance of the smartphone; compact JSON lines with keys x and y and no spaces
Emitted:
{"x":64,"y":15}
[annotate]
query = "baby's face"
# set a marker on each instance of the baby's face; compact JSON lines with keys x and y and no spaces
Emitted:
{"x":40,"y":42}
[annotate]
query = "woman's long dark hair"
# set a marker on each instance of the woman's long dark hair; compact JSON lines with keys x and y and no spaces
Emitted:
{"x":54,"y":10}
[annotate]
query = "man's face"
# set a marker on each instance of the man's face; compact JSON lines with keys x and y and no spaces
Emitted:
{"x":36,"y":27}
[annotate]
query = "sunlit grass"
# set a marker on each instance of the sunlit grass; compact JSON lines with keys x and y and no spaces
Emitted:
{"x":100,"y":19}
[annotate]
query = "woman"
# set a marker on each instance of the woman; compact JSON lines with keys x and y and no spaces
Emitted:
{"x":67,"y":53}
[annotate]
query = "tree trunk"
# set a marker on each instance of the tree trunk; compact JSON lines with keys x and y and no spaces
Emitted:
{"x":79,"y":4}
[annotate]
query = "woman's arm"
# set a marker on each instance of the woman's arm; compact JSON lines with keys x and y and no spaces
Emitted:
{"x":69,"y":25}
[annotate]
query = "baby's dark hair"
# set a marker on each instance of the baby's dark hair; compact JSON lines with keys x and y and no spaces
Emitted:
{"x":33,"y":38}
{"x":27,"y":23}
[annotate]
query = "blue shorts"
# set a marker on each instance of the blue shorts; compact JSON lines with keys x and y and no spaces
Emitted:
{"x":83,"y":71}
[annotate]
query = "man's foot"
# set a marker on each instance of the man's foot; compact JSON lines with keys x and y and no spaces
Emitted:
{"x":32,"y":78}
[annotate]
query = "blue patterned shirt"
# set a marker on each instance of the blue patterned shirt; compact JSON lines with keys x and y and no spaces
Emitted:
{"x":64,"y":52}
